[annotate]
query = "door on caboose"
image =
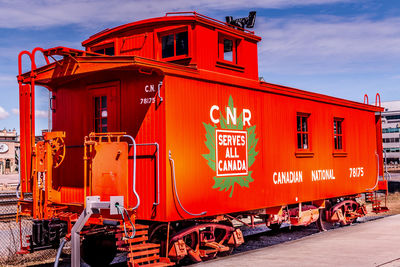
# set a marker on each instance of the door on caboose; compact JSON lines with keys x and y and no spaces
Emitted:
{"x":80,"y":111}
{"x":104,"y":103}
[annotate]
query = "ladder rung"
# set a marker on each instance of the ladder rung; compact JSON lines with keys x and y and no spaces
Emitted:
{"x":137,"y":233}
{"x":160,"y":264}
{"x":144,"y":246}
{"x":132,"y":240}
{"x":143,"y":253}
{"x":147,"y":259}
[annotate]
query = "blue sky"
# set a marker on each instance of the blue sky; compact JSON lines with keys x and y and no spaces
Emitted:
{"x":342,"y":48}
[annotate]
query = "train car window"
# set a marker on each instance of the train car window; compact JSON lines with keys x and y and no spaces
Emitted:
{"x":393,"y":117}
{"x":391,"y":140}
{"x":391,"y":130}
{"x":181,"y":43}
{"x":303,"y":133}
{"x":338,"y":134}
{"x":174,"y":44}
{"x":228,"y":50}
{"x":109,"y":50}
{"x":167,"y":46}
{"x":100,"y":114}
{"x":392,"y":149}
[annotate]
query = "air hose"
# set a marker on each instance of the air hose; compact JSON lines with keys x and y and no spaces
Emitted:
{"x":121,"y":210}
{"x":60,"y":248}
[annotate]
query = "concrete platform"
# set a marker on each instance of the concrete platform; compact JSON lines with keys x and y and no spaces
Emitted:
{"x":374,"y":243}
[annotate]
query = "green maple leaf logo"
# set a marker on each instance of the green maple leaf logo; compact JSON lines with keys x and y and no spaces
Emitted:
{"x":228,"y":182}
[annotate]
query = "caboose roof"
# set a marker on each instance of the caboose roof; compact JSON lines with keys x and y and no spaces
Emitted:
{"x":171,"y":18}
{"x":72,"y":68}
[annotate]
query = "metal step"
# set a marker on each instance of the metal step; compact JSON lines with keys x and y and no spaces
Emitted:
{"x":141,"y":253}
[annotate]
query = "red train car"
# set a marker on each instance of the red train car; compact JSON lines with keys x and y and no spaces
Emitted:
{"x":170,"y":114}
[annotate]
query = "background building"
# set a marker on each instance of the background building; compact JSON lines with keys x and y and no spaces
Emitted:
{"x":9,"y":147}
{"x":391,"y":131}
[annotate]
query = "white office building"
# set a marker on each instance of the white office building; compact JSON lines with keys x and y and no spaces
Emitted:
{"x":391,"y":131}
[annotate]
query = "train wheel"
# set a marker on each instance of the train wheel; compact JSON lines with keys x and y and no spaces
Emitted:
{"x":158,"y":235}
{"x":99,"y":249}
{"x":206,"y":241}
{"x":220,"y":235}
{"x":323,"y":224}
{"x":193,"y":246}
{"x":349,"y":208}
{"x":346,"y":211}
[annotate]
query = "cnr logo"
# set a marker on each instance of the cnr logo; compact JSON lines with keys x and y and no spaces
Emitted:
{"x":231,"y":115}
{"x":231,"y":141}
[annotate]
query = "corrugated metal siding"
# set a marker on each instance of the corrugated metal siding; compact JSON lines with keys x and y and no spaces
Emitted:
{"x":188,"y":106}
{"x":138,"y":43}
{"x":145,"y":123}
{"x":70,"y":105}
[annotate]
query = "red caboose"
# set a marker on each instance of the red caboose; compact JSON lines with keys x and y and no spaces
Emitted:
{"x":169,"y":113}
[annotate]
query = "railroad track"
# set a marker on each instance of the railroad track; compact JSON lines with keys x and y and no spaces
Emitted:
{"x":7,"y":216}
{"x":8,"y":205}
{"x":11,"y":195}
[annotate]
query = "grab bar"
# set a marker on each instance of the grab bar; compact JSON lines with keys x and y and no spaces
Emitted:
{"x":158,"y":169}
{"x":134,"y":171}
{"x":176,"y":191}
{"x":377,"y":175}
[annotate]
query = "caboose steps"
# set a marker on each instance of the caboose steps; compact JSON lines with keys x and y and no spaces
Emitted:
{"x":141,"y":253}
{"x":376,"y":201}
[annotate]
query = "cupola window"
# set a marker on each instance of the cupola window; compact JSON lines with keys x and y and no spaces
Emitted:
{"x":227,"y":48}
{"x":173,"y":45}
{"x":108,"y":50}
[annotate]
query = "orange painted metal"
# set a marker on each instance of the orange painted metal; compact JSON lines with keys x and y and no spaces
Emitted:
{"x":108,"y":167}
{"x":48,"y":154}
{"x":183,"y":106}
{"x":27,"y":116}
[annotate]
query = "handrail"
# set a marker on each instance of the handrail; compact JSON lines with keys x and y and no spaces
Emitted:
{"x":158,"y":169}
{"x":159,"y":91}
{"x":378,"y":96}
{"x":27,"y":141}
{"x":377,"y":175}
{"x":386,"y":171}
{"x":43,"y":53}
{"x":134,"y":170}
{"x":20,"y":61}
{"x":366,"y":98}
{"x":209,"y":18}
{"x":32,"y":58}
{"x":176,"y":191}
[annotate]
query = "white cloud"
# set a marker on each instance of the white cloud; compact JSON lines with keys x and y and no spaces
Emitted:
{"x":38,"y":113}
{"x":3,"y":113}
{"x":328,"y":45}
{"x":48,"y":13}
{"x":41,"y":113}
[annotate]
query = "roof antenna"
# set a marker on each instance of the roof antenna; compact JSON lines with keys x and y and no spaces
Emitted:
{"x":247,"y":22}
